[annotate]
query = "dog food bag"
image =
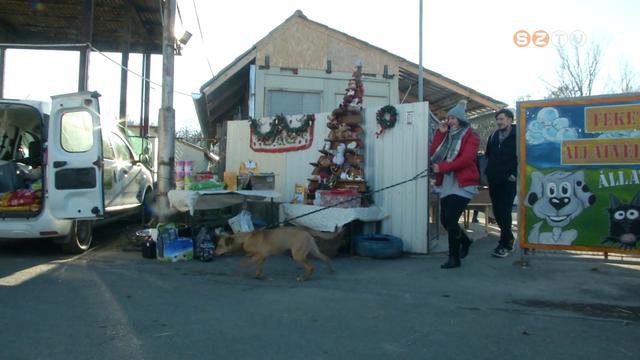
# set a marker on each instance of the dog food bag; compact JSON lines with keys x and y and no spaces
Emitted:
{"x":203,"y":245}
{"x":179,"y":174}
{"x":199,"y":239}
{"x":188,"y":168}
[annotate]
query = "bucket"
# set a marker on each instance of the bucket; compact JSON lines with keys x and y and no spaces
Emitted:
{"x":149,"y":249}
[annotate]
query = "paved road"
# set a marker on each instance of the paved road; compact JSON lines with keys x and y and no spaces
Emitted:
{"x":113,"y":304}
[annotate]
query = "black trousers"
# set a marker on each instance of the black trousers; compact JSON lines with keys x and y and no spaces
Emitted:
{"x":451,"y":207}
{"x":502,"y":196}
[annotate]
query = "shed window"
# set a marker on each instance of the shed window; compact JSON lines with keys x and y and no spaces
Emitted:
{"x":292,"y":102}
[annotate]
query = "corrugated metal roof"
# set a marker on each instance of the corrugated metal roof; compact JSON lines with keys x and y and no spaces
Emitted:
{"x":117,"y":24}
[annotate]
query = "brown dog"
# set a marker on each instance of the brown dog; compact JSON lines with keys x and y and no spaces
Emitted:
{"x":263,"y":243}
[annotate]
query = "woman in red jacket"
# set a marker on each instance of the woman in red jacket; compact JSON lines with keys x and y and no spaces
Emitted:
{"x":453,"y":160}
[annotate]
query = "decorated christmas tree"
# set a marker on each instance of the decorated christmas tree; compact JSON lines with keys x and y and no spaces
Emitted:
{"x":339,"y":172}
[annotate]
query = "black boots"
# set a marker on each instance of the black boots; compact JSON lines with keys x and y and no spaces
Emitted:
{"x":464,"y":247}
{"x":453,"y":262}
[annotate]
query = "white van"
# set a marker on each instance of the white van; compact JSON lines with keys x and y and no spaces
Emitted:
{"x":61,"y":169}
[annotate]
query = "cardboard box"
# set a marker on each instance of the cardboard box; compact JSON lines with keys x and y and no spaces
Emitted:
{"x":257,"y":182}
{"x":180,"y":249}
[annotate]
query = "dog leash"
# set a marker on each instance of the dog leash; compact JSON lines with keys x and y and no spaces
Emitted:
{"x":421,"y":174}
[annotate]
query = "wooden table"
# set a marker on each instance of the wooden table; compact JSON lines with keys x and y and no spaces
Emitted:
{"x":481,"y":201}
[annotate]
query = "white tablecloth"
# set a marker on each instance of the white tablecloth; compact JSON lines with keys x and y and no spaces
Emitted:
{"x":331,"y":218}
{"x":189,"y":200}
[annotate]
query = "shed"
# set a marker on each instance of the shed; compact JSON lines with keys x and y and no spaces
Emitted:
{"x":306,"y":64}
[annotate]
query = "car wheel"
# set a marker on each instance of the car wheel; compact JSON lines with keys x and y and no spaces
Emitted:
{"x":378,"y":246}
{"x":79,"y":238}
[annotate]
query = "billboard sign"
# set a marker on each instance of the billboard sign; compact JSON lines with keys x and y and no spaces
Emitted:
{"x":580,"y":174}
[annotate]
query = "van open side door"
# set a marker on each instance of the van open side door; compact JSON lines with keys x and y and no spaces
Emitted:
{"x":74,"y":163}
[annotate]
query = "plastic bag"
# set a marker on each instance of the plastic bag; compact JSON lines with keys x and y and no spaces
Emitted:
{"x":241,"y":222}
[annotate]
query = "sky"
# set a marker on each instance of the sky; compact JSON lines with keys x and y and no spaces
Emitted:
{"x":471,"y":42}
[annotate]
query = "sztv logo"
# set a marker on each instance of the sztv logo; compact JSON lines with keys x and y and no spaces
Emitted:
{"x":541,"y":38}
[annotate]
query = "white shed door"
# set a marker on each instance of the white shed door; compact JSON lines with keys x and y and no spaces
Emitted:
{"x":397,"y":155}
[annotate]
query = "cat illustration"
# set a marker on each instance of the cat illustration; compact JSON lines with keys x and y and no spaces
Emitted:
{"x":624,"y":223}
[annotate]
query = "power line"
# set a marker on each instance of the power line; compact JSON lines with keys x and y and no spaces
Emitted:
{"x":133,"y":72}
{"x":195,"y":9}
{"x":179,"y":15}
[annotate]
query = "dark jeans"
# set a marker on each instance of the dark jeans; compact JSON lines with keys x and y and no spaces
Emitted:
{"x":451,"y":207}
{"x":502,"y":196}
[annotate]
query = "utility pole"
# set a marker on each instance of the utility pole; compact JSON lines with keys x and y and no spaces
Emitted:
{"x":167,"y":116}
{"x":428,"y":120}
{"x":420,"y":71}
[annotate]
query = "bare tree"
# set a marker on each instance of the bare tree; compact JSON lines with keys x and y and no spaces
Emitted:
{"x":577,"y":72}
{"x":627,"y":80}
{"x":190,"y":135}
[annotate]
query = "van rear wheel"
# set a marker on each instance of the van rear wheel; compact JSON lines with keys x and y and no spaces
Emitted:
{"x":79,"y":238}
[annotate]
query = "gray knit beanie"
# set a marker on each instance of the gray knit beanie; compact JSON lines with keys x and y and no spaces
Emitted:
{"x":458,"y":111}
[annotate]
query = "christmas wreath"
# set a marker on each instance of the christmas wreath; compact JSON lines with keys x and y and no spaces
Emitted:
{"x":386,"y":118}
{"x":280,"y":123}
{"x":305,"y":122}
{"x":266,"y":136}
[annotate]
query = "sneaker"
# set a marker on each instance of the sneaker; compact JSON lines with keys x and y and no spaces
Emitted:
{"x":501,"y":252}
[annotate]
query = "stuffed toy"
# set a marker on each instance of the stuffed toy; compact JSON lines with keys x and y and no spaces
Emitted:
{"x":342,"y":132}
{"x":324,"y":171}
{"x":338,"y":158}
{"x":352,"y":101}
{"x":351,"y":157}
{"x":332,"y":122}
{"x":324,"y":161}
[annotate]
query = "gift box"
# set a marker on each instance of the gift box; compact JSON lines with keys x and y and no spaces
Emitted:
{"x":342,"y":198}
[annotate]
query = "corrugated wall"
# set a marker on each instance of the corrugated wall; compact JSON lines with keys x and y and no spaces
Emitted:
{"x":186,"y":152}
{"x":399,"y":154}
